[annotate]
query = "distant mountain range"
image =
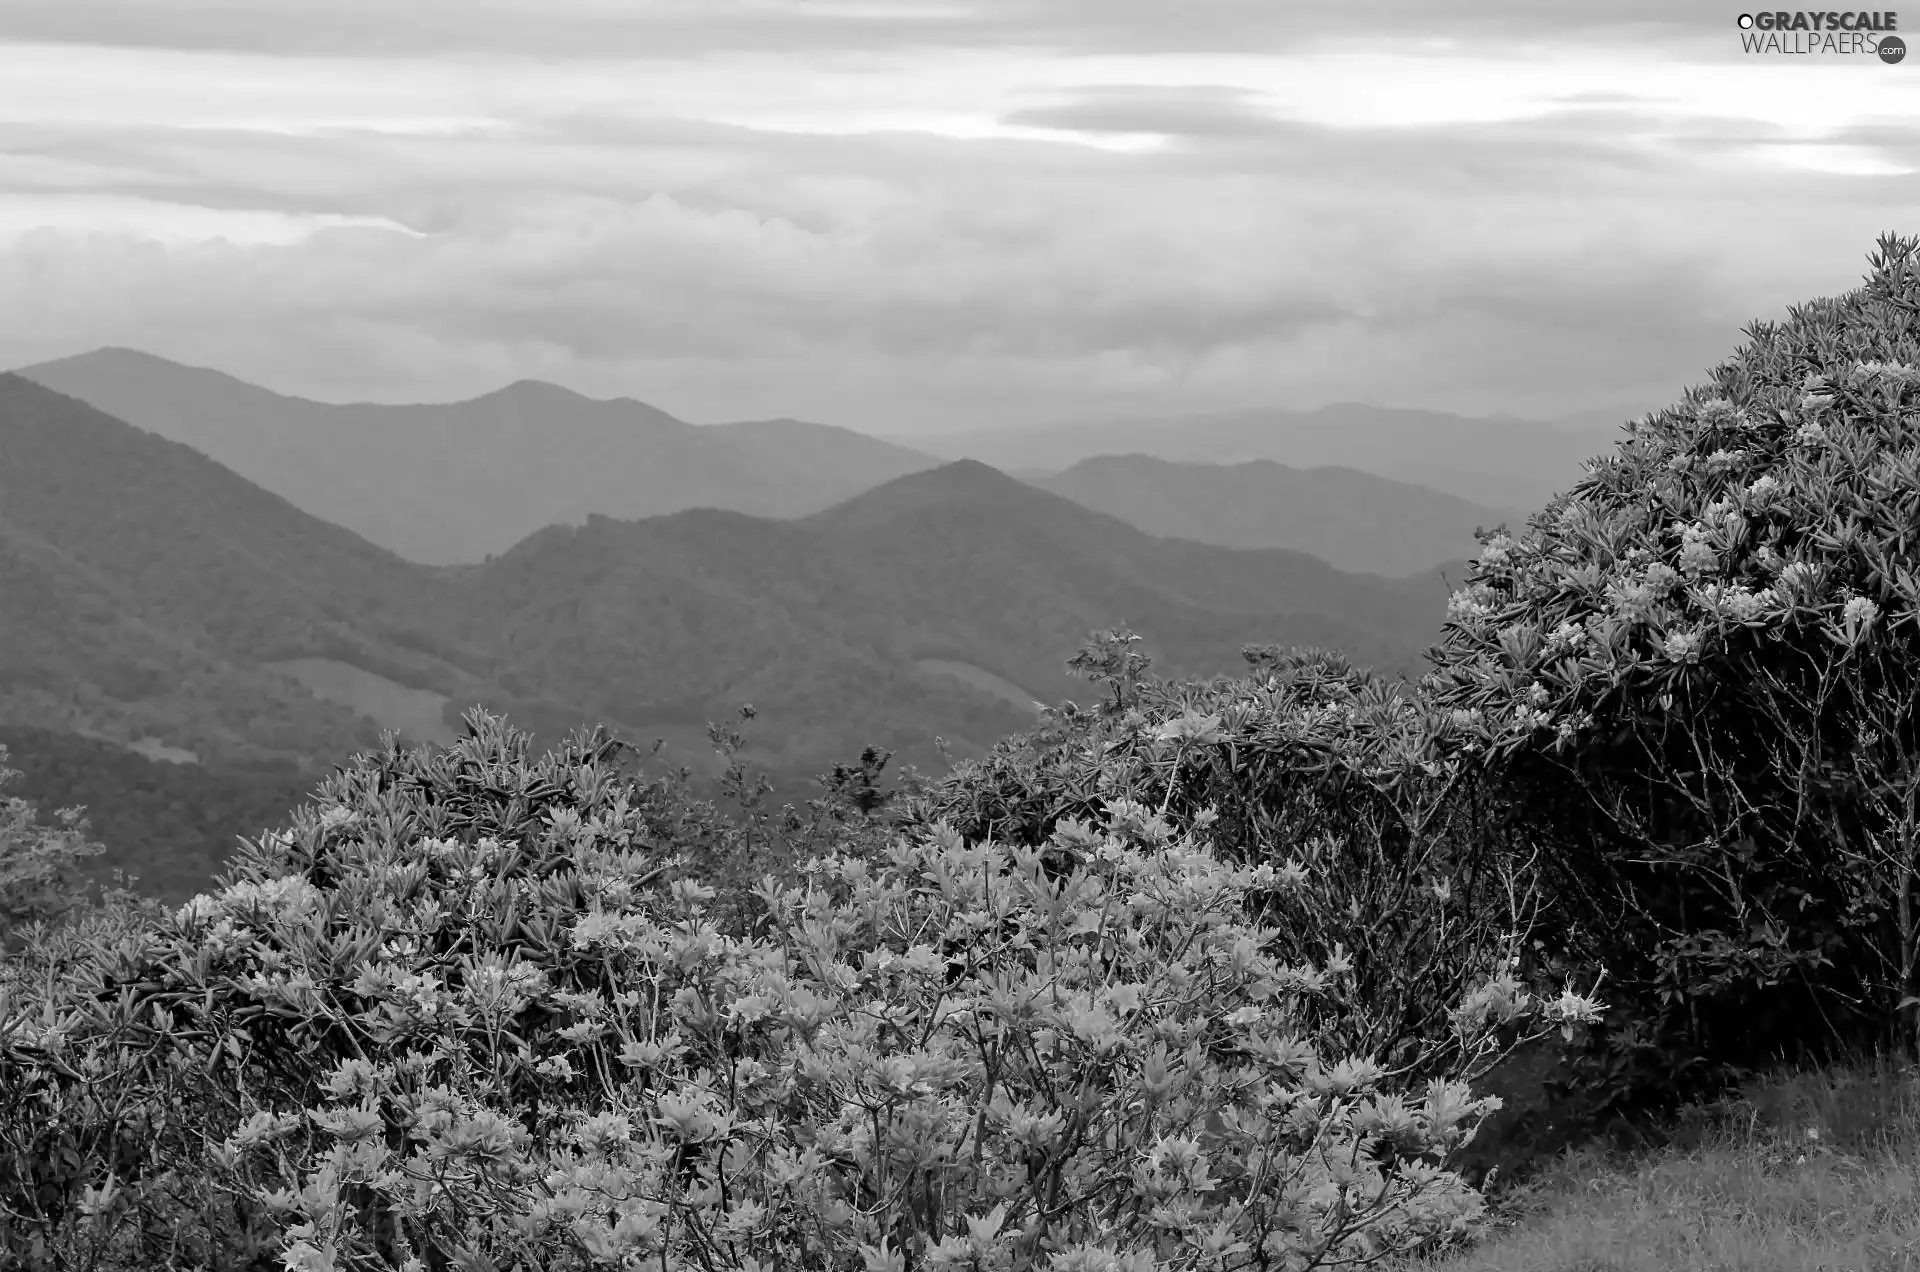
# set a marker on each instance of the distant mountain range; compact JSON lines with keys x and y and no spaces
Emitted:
{"x":1497,"y":463}
{"x":147,"y":591}
{"x":1389,"y":492}
{"x":1350,"y":519}
{"x":452,"y":483}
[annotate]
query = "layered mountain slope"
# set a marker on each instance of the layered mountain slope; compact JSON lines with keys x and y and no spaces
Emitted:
{"x":151,"y":589}
{"x":153,"y":598}
{"x":1352,"y":520}
{"x":452,"y":483}
{"x":1499,"y":463}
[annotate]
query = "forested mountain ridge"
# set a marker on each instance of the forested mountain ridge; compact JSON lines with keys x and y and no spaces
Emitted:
{"x":837,"y":617}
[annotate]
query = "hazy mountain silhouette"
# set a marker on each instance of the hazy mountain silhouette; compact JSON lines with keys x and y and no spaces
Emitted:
{"x":451,"y":483}
{"x":1499,"y":463}
{"x":1352,"y":520}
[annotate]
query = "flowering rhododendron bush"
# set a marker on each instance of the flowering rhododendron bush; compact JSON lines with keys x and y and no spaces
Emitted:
{"x":1390,"y":854}
{"x":1705,"y":652}
{"x":469,"y":1012}
{"x":126,"y":1049}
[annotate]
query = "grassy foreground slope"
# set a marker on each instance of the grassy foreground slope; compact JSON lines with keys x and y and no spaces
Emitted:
{"x":1809,"y":1171}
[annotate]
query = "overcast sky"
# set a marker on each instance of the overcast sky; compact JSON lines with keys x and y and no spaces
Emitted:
{"x":917,"y":215}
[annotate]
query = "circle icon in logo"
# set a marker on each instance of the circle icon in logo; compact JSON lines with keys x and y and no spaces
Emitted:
{"x":1891,"y":49}
{"x":1746,"y":22}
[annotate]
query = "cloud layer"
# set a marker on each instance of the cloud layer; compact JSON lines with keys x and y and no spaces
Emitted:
{"x":916,"y":217}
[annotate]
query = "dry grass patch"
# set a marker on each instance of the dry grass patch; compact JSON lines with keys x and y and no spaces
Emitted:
{"x":1801,"y":1172}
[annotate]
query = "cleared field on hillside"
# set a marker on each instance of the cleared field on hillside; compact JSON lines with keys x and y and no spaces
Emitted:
{"x":413,"y":713}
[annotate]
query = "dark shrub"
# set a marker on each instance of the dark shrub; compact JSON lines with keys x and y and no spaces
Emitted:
{"x":1698,"y":669}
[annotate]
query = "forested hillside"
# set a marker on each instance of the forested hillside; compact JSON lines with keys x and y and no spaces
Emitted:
{"x":833,"y":619}
{"x":169,"y":826}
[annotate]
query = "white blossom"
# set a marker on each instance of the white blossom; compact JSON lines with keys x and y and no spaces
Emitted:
{"x":1683,"y":646}
{"x":1857,"y":617}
